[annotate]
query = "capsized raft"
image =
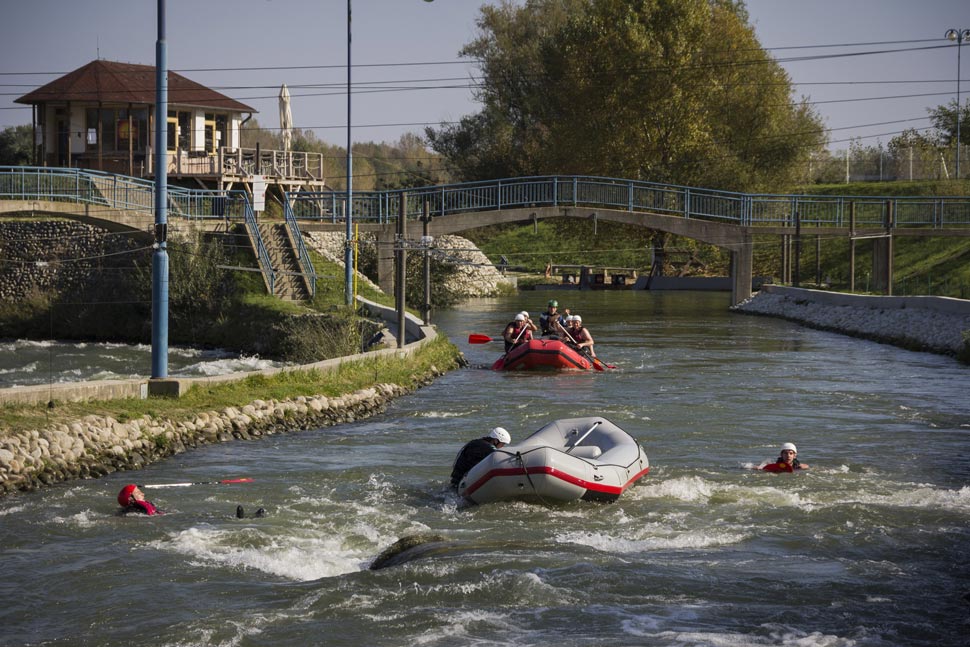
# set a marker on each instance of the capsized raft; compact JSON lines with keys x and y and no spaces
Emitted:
{"x":543,"y":354}
{"x":575,"y":458}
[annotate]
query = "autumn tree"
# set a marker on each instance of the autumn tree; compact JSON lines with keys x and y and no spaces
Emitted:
{"x":661,"y":90}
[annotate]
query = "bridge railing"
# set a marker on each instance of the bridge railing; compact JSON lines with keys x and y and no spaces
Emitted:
{"x":77,"y":185}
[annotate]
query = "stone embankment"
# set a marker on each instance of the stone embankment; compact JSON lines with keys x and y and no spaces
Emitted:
{"x":470,"y":273}
{"x":99,"y":445}
{"x":933,"y":324}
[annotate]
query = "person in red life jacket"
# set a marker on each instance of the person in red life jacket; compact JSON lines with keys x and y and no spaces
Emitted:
{"x":584,"y":340}
{"x":787,"y":460}
{"x":132,"y":499}
{"x":516,"y":332}
{"x":475,"y":450}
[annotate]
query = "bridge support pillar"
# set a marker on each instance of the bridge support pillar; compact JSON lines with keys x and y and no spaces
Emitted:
{"x":882,"y":265}
{"x":385,"y":261}
{"x":742,"y":258}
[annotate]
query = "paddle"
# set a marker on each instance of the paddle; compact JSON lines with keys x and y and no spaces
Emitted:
{"x":479,"y":339}
{"x":222,"y":482}
{"x":501,"y":360}
{"x":597,"y":364}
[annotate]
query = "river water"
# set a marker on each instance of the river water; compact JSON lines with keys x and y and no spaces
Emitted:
{"x":869,"y":547}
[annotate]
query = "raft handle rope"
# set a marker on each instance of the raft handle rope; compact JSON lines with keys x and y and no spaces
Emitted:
{"x":518,"y":457}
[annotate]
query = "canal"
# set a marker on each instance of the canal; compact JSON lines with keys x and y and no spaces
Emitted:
{"x":869,"y":547}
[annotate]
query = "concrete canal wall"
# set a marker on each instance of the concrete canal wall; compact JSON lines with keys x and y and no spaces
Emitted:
{"x":933,"y":324}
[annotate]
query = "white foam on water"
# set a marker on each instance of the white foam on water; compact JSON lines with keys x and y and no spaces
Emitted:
{"x":646,"y":627}
{"x":655,"y":537}
{"x":923,"y":496}
{"x":465,"y":625}
{"x":296,"y":557}
{"x":82,"y":519}
{"x":222,"y":366}
{"x":27,"y":368}
{"x":440,"y":414}
{"x":12,"y":510}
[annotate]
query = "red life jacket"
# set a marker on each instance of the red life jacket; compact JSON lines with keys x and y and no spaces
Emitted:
{"x":144,"y":507}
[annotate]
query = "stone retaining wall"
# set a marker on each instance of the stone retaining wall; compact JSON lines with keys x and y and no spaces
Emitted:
{"x":933,"y":324}
{"x":99,"y":445}
{"x":55,"y":255}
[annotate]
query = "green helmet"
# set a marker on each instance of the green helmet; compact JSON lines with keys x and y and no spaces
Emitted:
{"x":553,"y":302}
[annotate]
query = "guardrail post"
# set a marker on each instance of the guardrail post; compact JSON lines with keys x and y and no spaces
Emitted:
{"x":575,"y":189}
{"x":498,"y":195}
{"x":555,"y":191}
{"x":687,"y":204}
{"x":629,"y":196}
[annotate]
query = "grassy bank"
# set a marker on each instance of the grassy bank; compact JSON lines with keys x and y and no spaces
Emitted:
{"x":410,"y":372}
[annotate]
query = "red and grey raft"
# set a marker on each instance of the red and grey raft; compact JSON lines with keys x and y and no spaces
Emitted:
{"x":543,"y":354}
{"x":576,"y":458}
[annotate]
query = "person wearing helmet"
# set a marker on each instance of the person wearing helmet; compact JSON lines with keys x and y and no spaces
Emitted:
{"x":787,"y":460}
{"x":517,"y":331}
{"x":581,"y":337}
{"x":551,"y":321}
{"x":132,"y":499}
{"x":475,"y":450}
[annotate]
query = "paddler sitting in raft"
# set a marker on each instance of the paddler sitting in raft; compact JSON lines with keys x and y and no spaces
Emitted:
{"x":517,"y":331}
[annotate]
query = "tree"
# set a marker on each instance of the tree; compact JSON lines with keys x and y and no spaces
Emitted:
{"x":16,"y":147}
{"x":664,"y":90}
{"x":944,"y":119}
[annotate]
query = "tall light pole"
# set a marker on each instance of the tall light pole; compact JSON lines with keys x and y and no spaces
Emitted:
{"x":349,"y":251}
{"x":958,"y":35}
{"x":160,"y":256}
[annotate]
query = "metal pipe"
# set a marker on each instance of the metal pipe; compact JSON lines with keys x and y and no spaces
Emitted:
{"x":160,"y":257}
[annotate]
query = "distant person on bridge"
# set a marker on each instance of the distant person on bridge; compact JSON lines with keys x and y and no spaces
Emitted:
{"x":551,"y":320}
{"x":787,"y":461}
{"x":580,"y":335}
{"x":516,"y":332}
{"x":475,"y":450}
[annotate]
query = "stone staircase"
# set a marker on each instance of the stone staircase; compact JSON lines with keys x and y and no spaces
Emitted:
{"x":291,"y":284}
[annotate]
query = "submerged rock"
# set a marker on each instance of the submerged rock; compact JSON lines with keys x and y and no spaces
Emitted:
{"x":409,"y":548}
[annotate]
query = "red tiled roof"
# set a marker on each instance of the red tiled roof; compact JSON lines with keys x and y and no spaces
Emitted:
{"x":111,"y":82}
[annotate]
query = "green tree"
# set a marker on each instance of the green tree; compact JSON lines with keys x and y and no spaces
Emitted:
{"x":15,"y":146}
{"x":944,"y":119}
{"x":663,"y":90}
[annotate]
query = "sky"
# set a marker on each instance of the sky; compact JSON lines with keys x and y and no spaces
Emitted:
{"x":858,"y":61}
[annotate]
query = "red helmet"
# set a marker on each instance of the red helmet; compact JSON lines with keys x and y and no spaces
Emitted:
{"x":124,"y":497}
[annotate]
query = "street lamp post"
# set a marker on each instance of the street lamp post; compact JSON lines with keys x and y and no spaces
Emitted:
{"x":349,"y":216}
{"x":958,"y":35}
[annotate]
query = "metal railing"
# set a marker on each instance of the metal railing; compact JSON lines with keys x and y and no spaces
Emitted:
{"x":262,"y":254}
{"x":304,"y":257}
{"x":743,"y":209}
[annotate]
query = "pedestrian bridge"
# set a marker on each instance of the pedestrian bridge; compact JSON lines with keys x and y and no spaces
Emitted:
{"x":725,"y":219}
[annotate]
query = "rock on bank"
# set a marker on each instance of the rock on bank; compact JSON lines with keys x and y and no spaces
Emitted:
{"x":934,"y":324}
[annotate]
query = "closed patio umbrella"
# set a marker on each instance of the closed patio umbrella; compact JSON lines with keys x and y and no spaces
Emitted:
{"x":286,"y":118}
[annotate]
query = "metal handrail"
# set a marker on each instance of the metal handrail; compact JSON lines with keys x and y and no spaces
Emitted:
{"x":265,"y":264}
{"x":743,"y":209}
{"x":304,"y":257}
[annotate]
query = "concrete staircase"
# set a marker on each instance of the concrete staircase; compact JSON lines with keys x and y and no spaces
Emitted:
{"x":291,"y":284}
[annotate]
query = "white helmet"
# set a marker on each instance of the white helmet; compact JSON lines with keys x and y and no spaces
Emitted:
{"x":570,"y":318}
{"x":524,"y":314}
{"x":520,"y":317}
{"x":500,"y":435}
{"x":790,"y":446}
{"x":577,"y":318}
